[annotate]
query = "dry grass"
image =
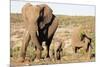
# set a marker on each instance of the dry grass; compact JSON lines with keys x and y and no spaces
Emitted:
{"x":66,"y":25}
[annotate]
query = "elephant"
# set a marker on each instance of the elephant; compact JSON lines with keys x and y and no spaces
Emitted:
{"x":80,"y":40}
{"x":40,"y":25}
{"x":56,"y":49}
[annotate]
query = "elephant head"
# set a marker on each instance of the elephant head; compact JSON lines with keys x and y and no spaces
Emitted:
{"x":45,"y":15}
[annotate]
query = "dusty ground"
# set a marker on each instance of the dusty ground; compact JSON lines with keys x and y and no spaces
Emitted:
{"x":66,"y":25}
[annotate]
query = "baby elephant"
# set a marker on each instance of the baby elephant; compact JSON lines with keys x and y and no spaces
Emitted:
{"x":81,"y":40}
{"x":84,"y":43}
{"x":56,"y":49}
{"x":87,"y":41}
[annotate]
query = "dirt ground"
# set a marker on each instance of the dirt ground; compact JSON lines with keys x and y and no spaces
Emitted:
{"x":66,"y":25}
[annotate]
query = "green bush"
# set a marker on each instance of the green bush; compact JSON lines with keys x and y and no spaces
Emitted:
{"x":15,"y":52}
{"x":30,"y":52}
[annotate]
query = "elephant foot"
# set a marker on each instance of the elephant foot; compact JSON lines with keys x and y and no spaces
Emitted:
{"x":27,"y":62}
{"x":21,"y":59}
{"x":27,"y":59}
{"x":36,"y":60}
{"x":47,"y":59}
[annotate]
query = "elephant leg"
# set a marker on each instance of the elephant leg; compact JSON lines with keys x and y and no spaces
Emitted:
{"x":88,"y":46}
{"x":37,"y":54}
{"x":75,"y":49}
{"x":37,"y":44}
{"x":25,"y":43}
{"x":58,"y":55}
{"x":47,"y":49}
{"x":38,"y":51}
{"x":52,"y":53}
{"x":48,"y":42}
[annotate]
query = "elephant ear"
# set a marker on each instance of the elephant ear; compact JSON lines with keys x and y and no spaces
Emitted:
{"x":41,"y":19}
{"x":47,"y":14}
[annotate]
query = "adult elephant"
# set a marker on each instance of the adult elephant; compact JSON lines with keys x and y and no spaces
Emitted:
{"x":40,"y":24}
